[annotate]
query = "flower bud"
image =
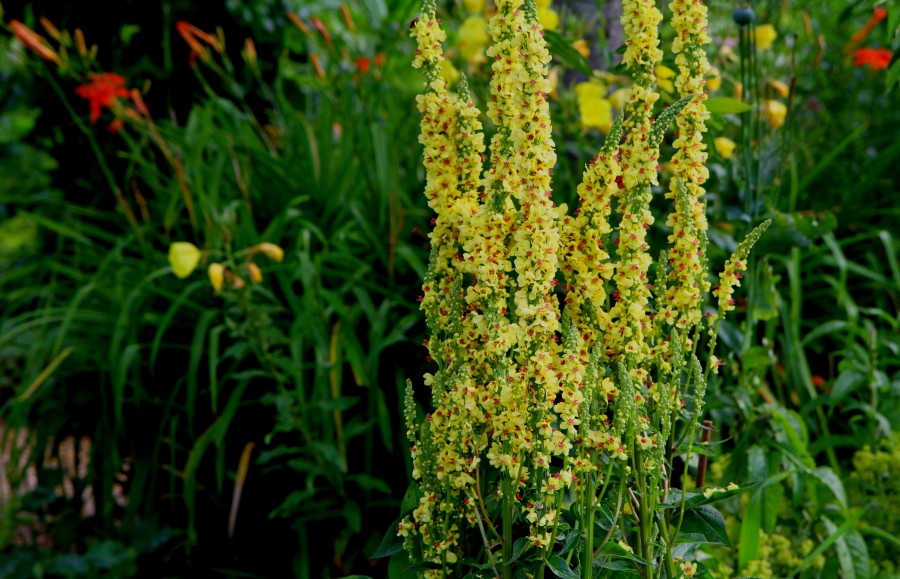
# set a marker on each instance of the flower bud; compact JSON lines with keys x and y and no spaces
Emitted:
{"x":216,"y":274}
{"x":743,"y":16}
{"x":183,"y":258}
{"x":254,"y":272}
{"x":270,"y":250}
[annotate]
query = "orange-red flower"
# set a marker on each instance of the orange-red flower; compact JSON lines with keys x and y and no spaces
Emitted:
{"x":103,"y":91}
{"x":878,"y":15}
{"x":193,"y":35}
{"x":877,"y":58}
{"x":34,"y":41}
{"x":363,"y":64}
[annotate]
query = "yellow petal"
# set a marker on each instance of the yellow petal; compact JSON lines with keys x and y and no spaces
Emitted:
{"x":548,"y":18}
{"x":474,"y":5}
{"x":664,"y":74}
{"x":724,"y":147}
{"x":594,"y":107}
{"x":270,"y":250}
{"x":764,"y":35}
{"x":255,"y":272}
{"x":216,"y":274}
{"x":472,"y":36}
{"x":581,"y":46}
{"x":619,"y":97}
{"x":449,"y":72}
{"x":183,"y":257}
{"x":714,"y":80}
{"x":781,"y":88}
{"x":775,"y":112}
{"x":543,"y":3}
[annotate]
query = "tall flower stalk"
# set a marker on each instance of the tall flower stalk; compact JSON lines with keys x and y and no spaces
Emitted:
{"x":569,"y":368}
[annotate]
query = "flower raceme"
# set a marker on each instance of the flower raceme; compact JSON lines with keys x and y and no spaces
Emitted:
{"x":565,"y":366}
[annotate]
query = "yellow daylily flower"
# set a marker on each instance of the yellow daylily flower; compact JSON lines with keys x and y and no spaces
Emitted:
{"x":724,"y":147}
{"x":474,"y":5}
{"x":714,"y":79}
{"x":472,"y":36}
{"x":664,"y":76}
{"x":449,"y":72}
{"x":619,"y":97}
{"x":183,"y":257}
{"x":216,"y":274}
{"x":594,"y":107}
{"x":764,"y":35}
{"x":270,"y":250}
{"x":781,"y":88}
{"x":549,"y":18}
{"x":581,"y":46}
{"x":775,"y":112}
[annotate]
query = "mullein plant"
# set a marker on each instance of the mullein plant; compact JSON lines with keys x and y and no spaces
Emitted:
{"x":571,"y":368}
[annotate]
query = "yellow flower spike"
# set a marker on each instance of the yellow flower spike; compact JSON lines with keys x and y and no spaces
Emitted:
{"x":216,"y":273}
{"x":775,"y":111}
{"x":781,"y":88}
{"x":549,"y":18}
{"x":664,"y":76}
{"x":724,"y":147}
{"x":472,"y":36}
{"x":581,"y":46}
{"x":183,"y":257}
{"x":764,"y":35}
{"x":594,"y":107}
{"x":270,"y":250}
{"x":474,"y":5}
{"x":254,"y":272}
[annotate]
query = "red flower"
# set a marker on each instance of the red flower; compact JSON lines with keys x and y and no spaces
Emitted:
{"x":877,"y":58}
{"x":363,"y":64}
{"x":103,"y":91}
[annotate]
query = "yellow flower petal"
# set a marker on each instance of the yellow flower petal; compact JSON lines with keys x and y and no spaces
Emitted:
{"x":543,"y":3}
{"x":724,"y":147}
{"x":183,"y":257}
{"x":714,"y":80}
{"x":664,"y":74}
{"x":270,"y":250}
{"x":595,"y":108}
{"x":474,"y":5}
{"x":548,"y":18}
{"x":216,"y":274}
{"x":619,"y":97}
{"x":775,"y":112}
{"x":581,"y":46}
{"x":449,"y":72}
{"x":472,"y":36}
{"x":781,"y":88}
{"x":764,"y":35}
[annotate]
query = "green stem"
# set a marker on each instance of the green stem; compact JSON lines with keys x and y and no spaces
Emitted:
{"x":507,"y":528}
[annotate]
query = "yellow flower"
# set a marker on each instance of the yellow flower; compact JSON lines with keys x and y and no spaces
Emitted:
{"x":270,"y":250}
{"x":472,"y":36}
{"x":724,"y":147}
{"x":474,"y":5}
{"x":449,"y":72}
{"x":254,"y":272}
{"x":543,"y":3}
{"x":183,"y":257}
{"x":664,"y":76}
{"x":549,"y":18}
{"x":619,"y":97}
{"x":775,"y":112}
{"x":764,"y":35}
{"x":714,"y":80}
{"x":581,"y":46}
{"x":781,"y":88}
{"x":595,"y":108}
{"x":216,"y":274}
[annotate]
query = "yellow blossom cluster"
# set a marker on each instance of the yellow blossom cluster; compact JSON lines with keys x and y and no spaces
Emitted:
{"x":687,"y":278}
{"x":543,"y":391}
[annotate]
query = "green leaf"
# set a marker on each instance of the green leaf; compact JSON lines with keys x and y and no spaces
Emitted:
{"x":847,"y":381}
{"x":707,"y":521}
{"x":391,"y":543}
{"x":521,"y":545}
{"x":563,"y":50}
{"x":893,"y":73}
{"x":560,"y":568}
{"x":726,"y":106}
{"x":852,"y":554}
{"x":833,"y":536}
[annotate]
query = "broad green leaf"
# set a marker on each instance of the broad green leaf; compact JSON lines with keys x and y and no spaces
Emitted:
{"x":726,"y":106}
{"x":708,"y":522}
{"x":560,"y":568}
{"x":563,"y":50}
